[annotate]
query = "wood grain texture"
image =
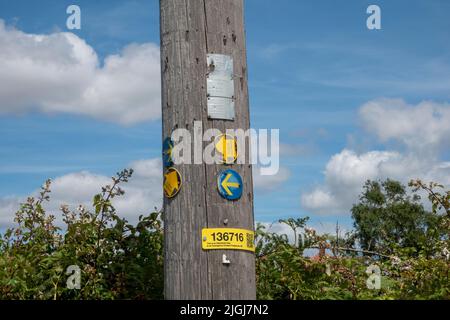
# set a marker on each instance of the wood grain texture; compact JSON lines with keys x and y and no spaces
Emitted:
{"x":190,"y":29}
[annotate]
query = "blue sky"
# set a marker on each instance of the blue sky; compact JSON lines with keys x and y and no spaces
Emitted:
{"x":333,"y":88}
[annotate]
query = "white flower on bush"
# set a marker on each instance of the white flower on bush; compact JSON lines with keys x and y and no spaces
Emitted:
{"x":446,"y":253}
{"x":310,"y":231}
{"x":395,"y":260}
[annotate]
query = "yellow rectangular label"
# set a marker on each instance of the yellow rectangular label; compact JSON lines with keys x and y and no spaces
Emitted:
{"x":228,"y":239}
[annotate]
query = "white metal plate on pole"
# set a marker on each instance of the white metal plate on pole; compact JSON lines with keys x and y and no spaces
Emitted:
{"x":220,"y":87}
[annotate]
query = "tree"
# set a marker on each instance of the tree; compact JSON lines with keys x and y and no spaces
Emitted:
{"x":386,"y":218}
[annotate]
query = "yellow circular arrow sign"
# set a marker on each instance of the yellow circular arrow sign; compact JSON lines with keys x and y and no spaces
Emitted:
{"x":226,"y":145}
{"x":172,"y":182}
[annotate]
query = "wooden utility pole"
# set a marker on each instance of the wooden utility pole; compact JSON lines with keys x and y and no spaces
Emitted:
{"x":190,"y":31}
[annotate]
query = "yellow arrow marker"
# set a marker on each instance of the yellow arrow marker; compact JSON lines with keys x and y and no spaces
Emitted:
{"x":227,"y":146}
{"x":168,"y":152}
{"x":226,"y":185}
{"x":172,"y":182}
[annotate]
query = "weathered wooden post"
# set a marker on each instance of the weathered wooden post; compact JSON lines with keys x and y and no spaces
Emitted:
{"x":200,"y":40}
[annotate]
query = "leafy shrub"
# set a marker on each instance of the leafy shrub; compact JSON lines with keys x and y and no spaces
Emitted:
{"x":118,"y":260}
{"x":411,"y":245}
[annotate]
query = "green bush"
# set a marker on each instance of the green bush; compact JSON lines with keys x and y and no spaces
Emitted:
{"x":412,"y":251}
{"x":118,"y":260}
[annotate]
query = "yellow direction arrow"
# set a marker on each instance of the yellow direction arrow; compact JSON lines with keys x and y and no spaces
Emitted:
{"x":226,"y":185}
{"x":227,"y":146}
{"x":172,"y":182}
{"x":168,"y":152}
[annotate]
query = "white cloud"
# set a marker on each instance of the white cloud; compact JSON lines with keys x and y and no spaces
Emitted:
{"x":345,"y":174}
{"x":61,"y":73}
{"x":423,"y":130}
{"x":8,"y":206}
{"x":273,"y":50}
{"x":319,"y":199}
{"x":295,"y":150}
{"x":270,"y":182}
{"x":425,"y":126}
{"x":142,"y":193}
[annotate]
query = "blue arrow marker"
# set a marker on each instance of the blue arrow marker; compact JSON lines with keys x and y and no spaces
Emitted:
{"x":229,"y":184}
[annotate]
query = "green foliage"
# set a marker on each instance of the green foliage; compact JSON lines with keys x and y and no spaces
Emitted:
{"x":285,"y":272}
{"x":408,"y":244}
{"x":439,"y":201}
{"x":118,"y":260}
{"x":386,"y":219}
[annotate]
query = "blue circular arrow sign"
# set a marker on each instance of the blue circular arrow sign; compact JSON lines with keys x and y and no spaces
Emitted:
{"x":229,"y":184}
